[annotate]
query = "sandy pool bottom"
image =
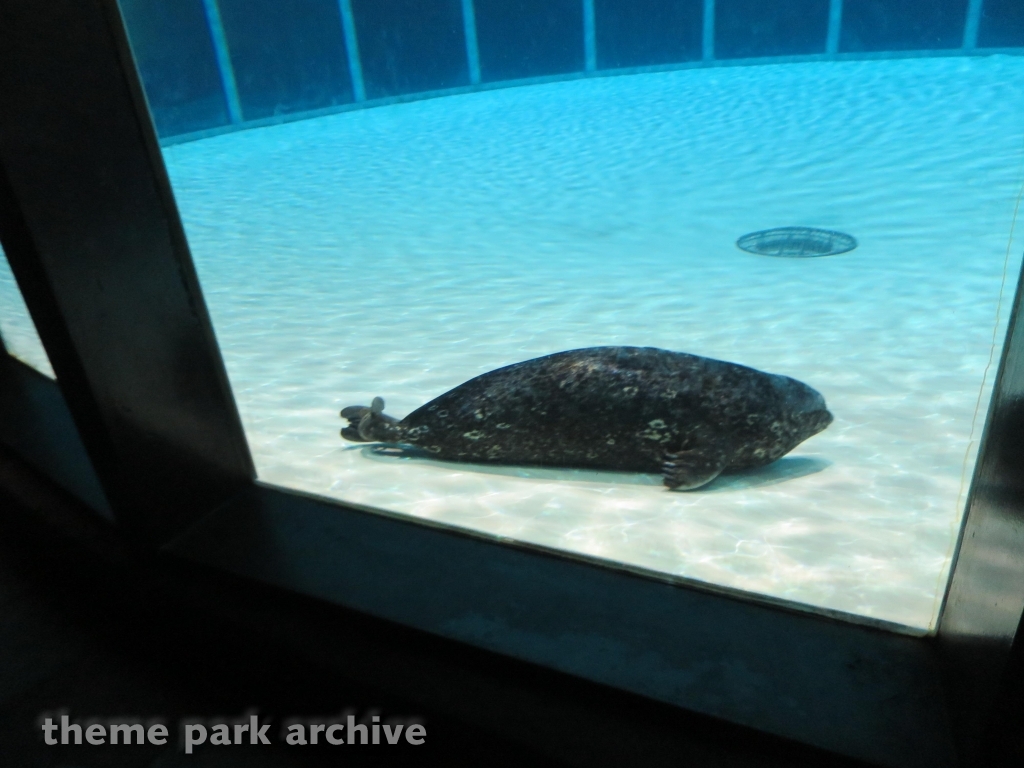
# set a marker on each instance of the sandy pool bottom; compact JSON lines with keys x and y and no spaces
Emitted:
{"x":401,"y":250}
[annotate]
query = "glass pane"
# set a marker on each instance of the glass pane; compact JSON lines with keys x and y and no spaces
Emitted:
{"x":399,"y":249}
{"x":16,"y":327}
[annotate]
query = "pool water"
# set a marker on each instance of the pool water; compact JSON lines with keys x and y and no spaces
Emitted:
{"x":401,"y":250}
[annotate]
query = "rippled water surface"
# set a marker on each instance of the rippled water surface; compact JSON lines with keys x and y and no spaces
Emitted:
{"x":401,"y":250}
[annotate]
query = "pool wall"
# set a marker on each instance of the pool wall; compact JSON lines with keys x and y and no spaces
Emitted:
{"x":210,"y":66}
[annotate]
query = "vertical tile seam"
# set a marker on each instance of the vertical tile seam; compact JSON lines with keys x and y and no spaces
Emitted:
{"x":589,"y":37}
{"x":835,"y":23}
{"x":223,"y":56}
{"x":708,"y":35}
{"x":472,"y":47}
{"x":355,"y":66}
{"x":971,"y":24}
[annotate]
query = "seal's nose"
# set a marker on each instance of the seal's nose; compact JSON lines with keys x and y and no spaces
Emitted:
{"x":807,"y":405}
{"x":816,"y":412}
{"x":825,"y":418}
{"x":813,"y":401}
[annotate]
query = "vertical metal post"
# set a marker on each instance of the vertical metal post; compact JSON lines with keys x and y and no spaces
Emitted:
{"x":472,"y":51}
{"x":92,"y":233}
{"x":835,"y":24}
{"x":971,"y":24}
{"x":224,"y":67}
{"x":355,"y":66}
{"x":589,"y":36}
{"x":708,"y":37}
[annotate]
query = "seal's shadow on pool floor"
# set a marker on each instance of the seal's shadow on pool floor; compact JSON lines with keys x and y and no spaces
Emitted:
{"x":786,"y":468}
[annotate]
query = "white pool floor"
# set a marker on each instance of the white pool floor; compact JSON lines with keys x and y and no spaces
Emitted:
{"x":401,"y":250}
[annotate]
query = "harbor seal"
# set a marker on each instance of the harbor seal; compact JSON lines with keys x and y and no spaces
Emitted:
{"x":633,"y":409}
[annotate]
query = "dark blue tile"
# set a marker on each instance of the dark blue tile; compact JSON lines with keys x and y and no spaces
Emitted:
{"x":174,"y":53}
{"x":902,"y":25}
{"x":287,"y":56}
{"x":752,"y":28}
{"x":529,"y":38}
{"x":407,"y":46}
{"x":637,"y":33}
{"x":1002,"y":24}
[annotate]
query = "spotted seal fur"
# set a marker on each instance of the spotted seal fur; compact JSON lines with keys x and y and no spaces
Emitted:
{"x":634,"y":409}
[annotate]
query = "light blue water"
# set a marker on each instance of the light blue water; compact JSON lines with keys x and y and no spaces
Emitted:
{"x":401,"y":250}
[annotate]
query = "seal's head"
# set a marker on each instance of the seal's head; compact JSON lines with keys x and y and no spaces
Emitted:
{"x":805,"y":408}
{"x":369,"y":424}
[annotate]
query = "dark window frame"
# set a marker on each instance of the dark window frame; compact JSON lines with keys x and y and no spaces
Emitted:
{"x":91,"y":229}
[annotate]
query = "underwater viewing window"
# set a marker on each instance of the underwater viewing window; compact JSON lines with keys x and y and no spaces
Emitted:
{"x":402,"y":250}
{"x":357,"y":208}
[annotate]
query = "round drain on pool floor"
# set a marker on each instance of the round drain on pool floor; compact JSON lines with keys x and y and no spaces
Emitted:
{"x":797,"y":242}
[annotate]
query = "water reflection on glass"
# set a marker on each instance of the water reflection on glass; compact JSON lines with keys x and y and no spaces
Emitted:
{"x":16,"y":327}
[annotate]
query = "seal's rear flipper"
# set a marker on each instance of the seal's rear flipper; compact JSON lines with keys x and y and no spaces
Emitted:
{"x":369,"y":424}
{"x":686,"y":470}
{"x":354,"y":414}
{"x":351,"y":434}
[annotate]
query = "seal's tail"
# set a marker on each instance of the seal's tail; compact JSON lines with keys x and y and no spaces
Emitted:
{"x":369,"y":424}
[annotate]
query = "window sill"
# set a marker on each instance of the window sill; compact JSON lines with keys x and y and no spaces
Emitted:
{"x":859,"y":691}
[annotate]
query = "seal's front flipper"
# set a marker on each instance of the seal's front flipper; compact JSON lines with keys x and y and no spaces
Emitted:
{"x":686,"y":470}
